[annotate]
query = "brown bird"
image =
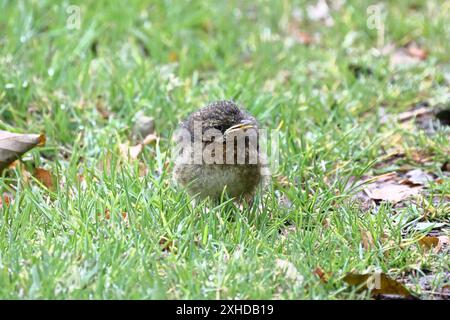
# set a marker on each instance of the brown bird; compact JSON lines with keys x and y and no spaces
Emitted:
{"x":219,"y":152}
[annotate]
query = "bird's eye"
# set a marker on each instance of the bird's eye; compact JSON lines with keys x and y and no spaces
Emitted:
{"x":220,"y":128}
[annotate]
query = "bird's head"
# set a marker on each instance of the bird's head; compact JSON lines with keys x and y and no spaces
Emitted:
{"x":224,"y":116}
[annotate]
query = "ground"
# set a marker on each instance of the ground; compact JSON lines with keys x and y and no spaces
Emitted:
{"x":327,"y":79}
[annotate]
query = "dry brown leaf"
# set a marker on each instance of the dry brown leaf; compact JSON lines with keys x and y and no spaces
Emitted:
{"x":289,"y":270}
{"x":382,"y":177}
{"x":299,"y":35}
{"x":283,"y":181}
{"x":401,"y":57}
{"x":326,"y":223}
{"x":414,"y":113}
{"x":14,"y":145}
{"x":150,"y":138}
{"x":415,"y":51}
{"x":391,"y":192}
{"x":130,"y":152}
{"x":45,"y":177}
{"x":429,"y":242}
{"x":407,"y":55}
{"x":443,"y":241}
{"x":419,"y":156}
{"x":323,"y":276}
{"x":166,"y":244}
{"x":379,"y":284}
{"x":367,"y":240}
{"x":173,"y":56}
{"x":418,"y":177}
{"x":107,"y":214}
{"x":5,"y":199}
{"x":436,"y":242}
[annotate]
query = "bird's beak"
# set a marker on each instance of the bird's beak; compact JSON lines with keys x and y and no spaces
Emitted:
{"x":244,"y":125}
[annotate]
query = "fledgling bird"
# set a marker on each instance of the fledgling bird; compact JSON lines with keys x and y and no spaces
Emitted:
{"x":236,"y":169}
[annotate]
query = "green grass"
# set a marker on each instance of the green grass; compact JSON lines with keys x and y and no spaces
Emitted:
{"x":168,"y":59}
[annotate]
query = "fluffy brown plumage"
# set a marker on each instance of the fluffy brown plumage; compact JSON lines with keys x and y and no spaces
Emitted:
{"x":211,"y":179}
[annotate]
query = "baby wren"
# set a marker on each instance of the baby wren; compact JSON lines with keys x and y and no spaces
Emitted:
{"x":219,"y":152}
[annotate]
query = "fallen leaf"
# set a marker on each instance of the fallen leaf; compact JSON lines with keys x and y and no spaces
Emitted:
{"x":283,"y":181}
{"x":402,"y":57}
{"x":150,"y":138}
{"x":444,"y":241}
{"x":437,"y":242}
{"x":300,"y":36}
{"x":414,"y":113}
{"x":415,"y":51}
{"x":428,"y":225}
{"x":173,"y":56}
{"x":406,"y":55}
{"x":379,"y":284}
{"x":326,"y":223}
{"x":391,"y":192}
{"x":166,"y":244}
{"x":429,"y":242}
{"x":44,"y":176}
{"x":324,"y":277}
{"x":367,"y":240}
{"x":5,"y":199}
{"x":289,"y":270}
{"x":14,"y":145}
{"x":418,"y":177}
{"x":130,"y":152}
{"x":419,"y":156}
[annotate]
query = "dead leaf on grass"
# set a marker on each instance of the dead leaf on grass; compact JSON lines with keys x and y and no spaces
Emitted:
{"x":435,"y":243}
{"x":414,"y":50}
{"x":300,"y":36}
{"x":419,"y":156}
{"x":414,"y":113}
{"x":130,"y":153}
{"x":379,"y":284}
{"x":107,"y":214}
{"x":150,"y":138}
{"x":289,"y":269}
{"x":167,"y":245}
{"x":14,"y":145}
{"x":408,"y":55}
{"x":418,"y":177}
{"x":367,"y":240}
{"x":391,"y":192}
{"x":5,"y":199}
{"x":420,"y":226}
{"x":45,"y":177}
{"x":323,"y":276}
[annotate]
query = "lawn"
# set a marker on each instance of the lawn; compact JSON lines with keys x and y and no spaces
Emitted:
{"x":353,"y":106}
